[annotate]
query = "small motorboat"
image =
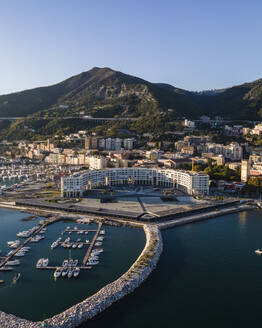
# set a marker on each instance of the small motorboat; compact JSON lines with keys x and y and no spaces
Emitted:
{"x":58,"y":272}
{"x":6,"y":268}
{"x":65,"y":263}
{"x":70,"y":273}
{"x":64,"y":272}
{"x":75,"y":263}
{"x":76,"y":272}
{"x":45,"y":262}
{"x":14,"y":262}
{"x":16,"y":277}
{"x":39,"y":263}
{"x":258,"y":251}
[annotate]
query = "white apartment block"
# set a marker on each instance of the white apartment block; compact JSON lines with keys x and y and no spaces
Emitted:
{"x":191,"y":183}
{"x":232,"y":151}
{"x":128,"y":143}
{"x":97,"y":163}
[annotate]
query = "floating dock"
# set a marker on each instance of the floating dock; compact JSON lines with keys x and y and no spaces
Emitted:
{"x":80,"y":231}
{"x":55,"y":267}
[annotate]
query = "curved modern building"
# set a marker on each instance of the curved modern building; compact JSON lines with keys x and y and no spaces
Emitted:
{"x":192,"y":183}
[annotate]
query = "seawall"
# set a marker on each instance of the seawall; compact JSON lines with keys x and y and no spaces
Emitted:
{"x":90,"y":307}
{"x":203,"y":216}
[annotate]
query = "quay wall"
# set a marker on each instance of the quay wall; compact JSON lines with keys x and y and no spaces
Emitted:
{"x":104,"y":298}
{"x":203,"y":216}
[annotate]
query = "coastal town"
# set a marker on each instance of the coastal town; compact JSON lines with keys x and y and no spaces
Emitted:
{"x":130,"y":164}
{"x":229,"y":154}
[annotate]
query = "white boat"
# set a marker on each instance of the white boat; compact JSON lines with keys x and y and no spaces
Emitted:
{"x":6,"y":268}
{"x":76,"y":272}
{"x":25,"y":249}
{"x":258,"y":251}
{"x":70,"y":273}
{"x":20,"y":254}
{"x":80,"y":245}
{"x":12,"y":242}
{"x":16,"y":277}
{"x":65,"y":263}
{"x":14,"y":246}
{"x":74,"y":245}
{"x":94,"y":258}
{"x":37,"y":238}
{"x":14,"y":262}
{"x":54,"y":244}
{"x":39,"y":263}
{"x":58,"y":272}
{"x":90,"y":262}
{"x":23,"y":234}
{"x":98,"y":250}
{"x":64,"y":272}
{"x":45,"y":262}
{"x":75,"y":262}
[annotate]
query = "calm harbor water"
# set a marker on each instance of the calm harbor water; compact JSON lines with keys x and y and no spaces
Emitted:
{"x":37,"y":295}
{"x":208,"y":275}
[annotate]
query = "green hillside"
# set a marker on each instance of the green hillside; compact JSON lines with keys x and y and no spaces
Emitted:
{"x":103,"y":92}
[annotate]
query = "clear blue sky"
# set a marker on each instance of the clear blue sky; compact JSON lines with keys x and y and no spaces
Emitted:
{"x":192,"y":44}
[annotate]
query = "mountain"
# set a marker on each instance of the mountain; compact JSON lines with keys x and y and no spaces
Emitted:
{"x":238,"y":102}
{"x":100,"y":90}
{"x":103,"y":92}
{"x":106,"y":92}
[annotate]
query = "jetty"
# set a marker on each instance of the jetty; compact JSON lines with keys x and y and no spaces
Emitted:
{"x":92,"y":243}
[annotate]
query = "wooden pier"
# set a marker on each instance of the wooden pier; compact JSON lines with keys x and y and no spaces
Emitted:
{"x":92,"y":243}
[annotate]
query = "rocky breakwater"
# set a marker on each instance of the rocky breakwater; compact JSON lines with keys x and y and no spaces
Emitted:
{"x":109,"y":294}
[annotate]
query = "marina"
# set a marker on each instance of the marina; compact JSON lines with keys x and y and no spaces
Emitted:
{"x":32,"y":235}
{"x":42,"y":283}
